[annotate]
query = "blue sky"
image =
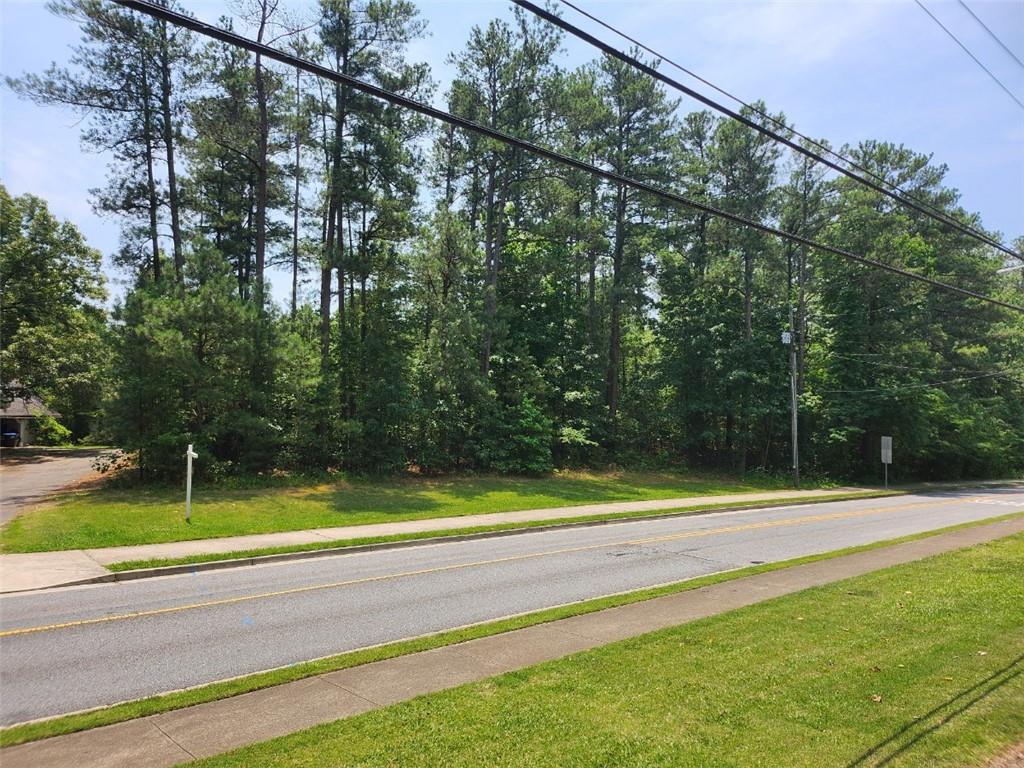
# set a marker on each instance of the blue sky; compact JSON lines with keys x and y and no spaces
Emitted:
{"x":846,"y":71}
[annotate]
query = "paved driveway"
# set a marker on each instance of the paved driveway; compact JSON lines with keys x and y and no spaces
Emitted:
{"x":30,"y":475}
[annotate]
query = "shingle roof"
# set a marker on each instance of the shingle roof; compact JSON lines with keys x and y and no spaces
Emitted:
{"x":21,"y":408}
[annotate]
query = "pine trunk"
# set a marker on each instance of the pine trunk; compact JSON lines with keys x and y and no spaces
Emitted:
{"x":615,"y":334}
{"x":148,"y":138}
{"x":169,"y":142}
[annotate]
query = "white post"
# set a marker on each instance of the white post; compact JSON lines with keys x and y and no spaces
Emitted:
{"x":189,"y":455}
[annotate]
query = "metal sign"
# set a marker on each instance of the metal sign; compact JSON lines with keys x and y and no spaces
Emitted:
{"x":787,"y":337}
{"x":886,"y":449}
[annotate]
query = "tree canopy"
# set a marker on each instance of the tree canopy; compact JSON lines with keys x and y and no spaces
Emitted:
{"x":458,"y":304}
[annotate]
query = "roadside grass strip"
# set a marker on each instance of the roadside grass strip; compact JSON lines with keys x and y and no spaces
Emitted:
{"x":18,"y":734}
{"x":115,"y":515}
{"x":915,"y":665}
{"x":480,"y":530}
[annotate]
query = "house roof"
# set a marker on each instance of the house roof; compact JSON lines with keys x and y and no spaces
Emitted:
{"x":22,"y":408}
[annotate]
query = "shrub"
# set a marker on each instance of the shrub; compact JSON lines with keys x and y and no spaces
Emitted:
{"x":48,"y":431}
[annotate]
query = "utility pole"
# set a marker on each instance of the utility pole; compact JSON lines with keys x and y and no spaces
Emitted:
{"x":789,"y":339}
{"x":792,"y":401}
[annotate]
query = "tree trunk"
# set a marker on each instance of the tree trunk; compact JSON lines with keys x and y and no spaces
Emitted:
{"x":615,"y":335}
{"x":295,"y":201}
{"x":327,"y":240}
{"x":490,"y":268}
{"x":592,"y":276}
{"x":325,"y":285}
{"x":168,"y":131}
{"x":338,"y":203}
{"x":449,"y":169}
{"x":325,"y":319}
{"x":261,"y":172}
{"x":748,"y":334}
{"x":147,"y":129}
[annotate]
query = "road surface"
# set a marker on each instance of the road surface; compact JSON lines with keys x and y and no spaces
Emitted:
{"x":29,"y":476}
{"x":69,"y":649}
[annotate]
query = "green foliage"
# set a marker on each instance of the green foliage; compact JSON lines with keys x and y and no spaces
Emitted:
{"x":51,"y":329}
{"x":186,"y":363}
{"x":480,"y":309}
{"x":46,"y":430}
{"x":519,"y":440}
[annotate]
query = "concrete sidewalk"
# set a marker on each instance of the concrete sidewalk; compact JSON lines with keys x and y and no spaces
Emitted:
{"x":48,"y":569}
{"x":220,"y":726}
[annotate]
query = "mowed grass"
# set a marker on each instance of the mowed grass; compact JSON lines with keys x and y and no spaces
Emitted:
{"x":111,"y":516}
{"x":917,"y":665}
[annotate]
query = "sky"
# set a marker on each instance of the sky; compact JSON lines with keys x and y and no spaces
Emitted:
{"x":845,"y":71}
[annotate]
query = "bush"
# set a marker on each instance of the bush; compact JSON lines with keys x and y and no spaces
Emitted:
{"x":523,"y":440}
{"x":48,"y":431}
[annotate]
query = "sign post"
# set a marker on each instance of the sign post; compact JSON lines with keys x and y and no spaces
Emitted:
{"x":886,"y":457}
{"x":787,"y":340}
{"x":189,"y":455}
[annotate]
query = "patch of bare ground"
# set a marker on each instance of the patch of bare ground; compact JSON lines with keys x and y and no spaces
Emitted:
{"x":1011,"y":758}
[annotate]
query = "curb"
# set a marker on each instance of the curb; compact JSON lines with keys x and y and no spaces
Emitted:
{"x":242,"y":562}
{"x":213,"y":565}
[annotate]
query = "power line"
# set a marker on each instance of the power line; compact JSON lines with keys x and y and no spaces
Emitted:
{"x":888,"y":391}
{"x":968,"y":52}
{"x":672,"y":83}
{"x":992,"y":34}
{"x":824,"y":148}
{"x":425,"y":109}
{"x":860,"y":358}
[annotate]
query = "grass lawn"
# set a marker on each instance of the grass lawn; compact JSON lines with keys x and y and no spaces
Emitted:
{"x":110,"y":516}
{"x":917,"y":665}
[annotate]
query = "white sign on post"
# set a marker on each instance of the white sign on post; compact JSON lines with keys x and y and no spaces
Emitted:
{"x":886,"y":456}
{"x":189,"y":455}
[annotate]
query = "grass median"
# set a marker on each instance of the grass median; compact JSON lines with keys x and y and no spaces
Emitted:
{"x":19,"y":734}
{"x":112,"y":516}
{"x":916,"y":665}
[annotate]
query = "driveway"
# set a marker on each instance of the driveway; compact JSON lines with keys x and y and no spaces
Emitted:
{"x":29,"y":475}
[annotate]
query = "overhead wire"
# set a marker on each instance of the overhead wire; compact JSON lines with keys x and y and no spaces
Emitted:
{"x":890,"y":391}
{"x":967,"y":50}
{"x":860,"y":358}
{"x":270,"y":52}
{"x":824,"y":148}
{"x":614,"y":52}
{"x":992,"y":34}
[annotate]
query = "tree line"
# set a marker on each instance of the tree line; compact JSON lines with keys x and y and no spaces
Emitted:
{"x":458,"y":304}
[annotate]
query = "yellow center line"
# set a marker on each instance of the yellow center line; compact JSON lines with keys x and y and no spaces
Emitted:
{"x":477,"y":564}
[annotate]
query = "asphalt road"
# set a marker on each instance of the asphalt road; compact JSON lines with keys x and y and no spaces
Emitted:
{"x":30,"y":475}
{"x":74,"y":648}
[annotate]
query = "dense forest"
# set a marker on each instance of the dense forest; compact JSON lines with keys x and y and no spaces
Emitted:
{"x":457,"y":304}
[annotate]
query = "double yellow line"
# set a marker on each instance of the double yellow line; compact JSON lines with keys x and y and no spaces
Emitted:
{"x":476,"y":564}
